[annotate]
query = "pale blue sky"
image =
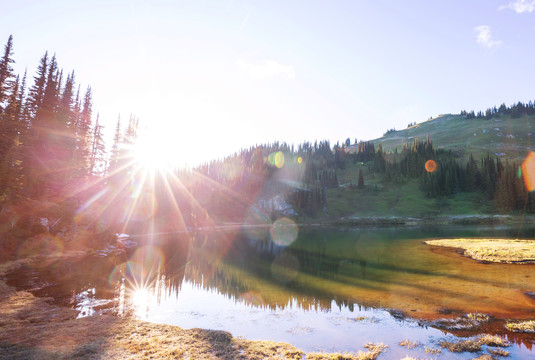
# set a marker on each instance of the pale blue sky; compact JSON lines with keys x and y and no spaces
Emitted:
{"x":232,"y":74}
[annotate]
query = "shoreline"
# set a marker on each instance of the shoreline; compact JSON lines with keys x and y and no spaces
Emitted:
{"x":386,"y":221}
{"x":503,"y":251}
{"x":391,"y":221}
{"x":32,"y":327}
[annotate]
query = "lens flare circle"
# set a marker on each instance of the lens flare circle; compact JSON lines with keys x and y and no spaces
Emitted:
{"x":430,"y":166}
{"x":284,"y":231}
{"x":528,"y":171}
{"x":276,"y":159}
{"x":256,"y":224}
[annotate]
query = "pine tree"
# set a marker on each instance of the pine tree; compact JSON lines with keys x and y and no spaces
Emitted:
{"x":9,"y":139}
{"x":360,"y":184}
{"x":113,"y":162}
{"x":130,"y":133}
{"x":22,"y":104}
{"x":97,"y":156}
{"x":6,"y":72}
{"x":44,"y":146}
{"x":83,"y":133}
{"x":65,"y":114}
{"x":32,"y":135}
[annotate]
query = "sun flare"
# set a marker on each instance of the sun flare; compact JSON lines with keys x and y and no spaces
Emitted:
{"x":140,"y":299}
{"x":154,"y":153}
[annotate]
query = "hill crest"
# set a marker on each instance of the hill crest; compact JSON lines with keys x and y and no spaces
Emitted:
{"x":502,"y":135}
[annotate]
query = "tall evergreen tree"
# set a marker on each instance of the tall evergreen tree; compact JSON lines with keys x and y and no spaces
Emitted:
{"x":113,"y":162}
{"x":83,"y":134}
{"x":37,"y":91}
{"x":9,"y":139}
{"x":6,"y":72}
{"x":32,"y":136}
{"x":97,"y":156}
{"x":360,"y":183}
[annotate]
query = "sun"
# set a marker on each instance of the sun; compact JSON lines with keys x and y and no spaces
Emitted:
{"x":155,"y":153}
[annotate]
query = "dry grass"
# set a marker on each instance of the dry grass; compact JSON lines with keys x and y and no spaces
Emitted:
{"x":493,"y":340}
{"x":493,"y":250}
{"x":474,"y":345}
{"x":432,"y":351}
{"x":478,"y":317}
{"x":499,"y":352}
{"x":462,"y":345}
{"x":521,"y":326}
{"x":33,"y":329}
{"x":374,"y":351}
{"x":409,"y":344}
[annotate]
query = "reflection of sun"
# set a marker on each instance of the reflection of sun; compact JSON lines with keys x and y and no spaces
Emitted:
{"x":140,"y":299}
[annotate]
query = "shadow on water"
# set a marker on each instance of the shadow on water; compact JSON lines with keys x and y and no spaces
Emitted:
{"x":387,"y":268}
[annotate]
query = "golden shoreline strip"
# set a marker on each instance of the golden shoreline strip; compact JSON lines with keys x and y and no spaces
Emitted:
{"x":492,"y":250}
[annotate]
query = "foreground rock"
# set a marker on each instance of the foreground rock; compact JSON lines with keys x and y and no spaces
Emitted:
{"x":492,"y":250}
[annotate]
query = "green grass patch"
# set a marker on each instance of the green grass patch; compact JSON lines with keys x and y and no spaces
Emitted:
{"x":399,"y":199}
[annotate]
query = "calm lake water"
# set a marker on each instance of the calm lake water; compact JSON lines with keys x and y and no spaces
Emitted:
{"x":316,"y":288}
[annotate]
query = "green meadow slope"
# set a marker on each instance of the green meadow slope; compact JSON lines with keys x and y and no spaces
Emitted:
{"x":385,"y":199}
{"x":504,"y":136}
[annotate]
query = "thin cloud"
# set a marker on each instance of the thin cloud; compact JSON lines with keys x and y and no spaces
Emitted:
{"x":484,"y":37}
{"x":267,"y":69}
{"x":520,"y":6}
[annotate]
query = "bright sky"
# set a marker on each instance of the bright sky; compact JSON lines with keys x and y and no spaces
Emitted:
{"x":224,"y":75}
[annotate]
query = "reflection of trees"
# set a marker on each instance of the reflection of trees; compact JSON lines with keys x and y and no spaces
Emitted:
{"x":235,"y":266}
{"x":63,"y":280}
{"x":344,"y":268}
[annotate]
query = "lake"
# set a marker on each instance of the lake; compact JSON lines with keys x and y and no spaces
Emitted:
{"x":320,"y":289}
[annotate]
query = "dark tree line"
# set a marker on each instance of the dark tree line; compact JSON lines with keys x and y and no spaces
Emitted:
{"x":49,"y":144}
{"x":299,"y":175}
{"x":53,"y":158}
{"x":516,"y":110}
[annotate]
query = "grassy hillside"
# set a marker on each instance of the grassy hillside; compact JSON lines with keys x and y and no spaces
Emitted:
{"x":379,"y":198}
{"x":509,"y":138}
{"x":502,"y":136}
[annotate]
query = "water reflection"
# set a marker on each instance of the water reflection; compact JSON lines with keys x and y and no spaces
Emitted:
{"x":318,"y":283}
